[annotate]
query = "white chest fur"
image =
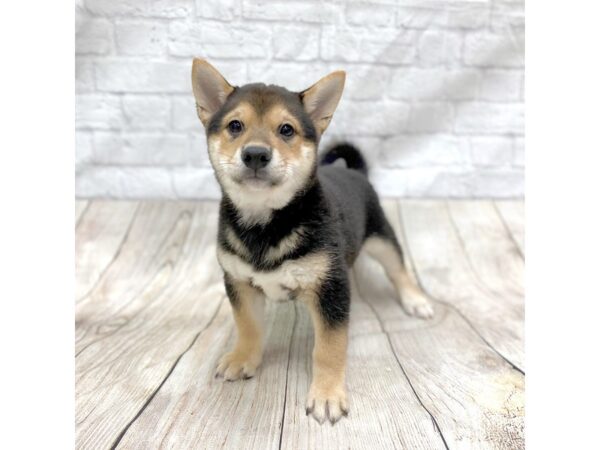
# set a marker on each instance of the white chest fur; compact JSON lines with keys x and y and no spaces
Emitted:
{"x":306,"y":272}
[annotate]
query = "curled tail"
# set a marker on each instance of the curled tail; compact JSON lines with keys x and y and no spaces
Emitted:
{"x":349,"y":153}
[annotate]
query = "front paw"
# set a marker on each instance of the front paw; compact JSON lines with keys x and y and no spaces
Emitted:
{"x":238,"y":364}
{"x":325,"y":403}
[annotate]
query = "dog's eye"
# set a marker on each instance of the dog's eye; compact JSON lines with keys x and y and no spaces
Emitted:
{"x":235,"y":127}
{"x":286,"y":130}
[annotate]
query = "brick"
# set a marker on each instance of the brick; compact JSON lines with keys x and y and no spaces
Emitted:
{"x":442,"y":182}
{"x":498,"y":183}
{"x":388,"y":3}
{"x":431,"y":117}
{"x":368,"y":82}
{"x":507,"y":17}
{"x":501,"y":85}
{"x":364,"y":14}
{"x":491,"y":151}
{"x":144,"y":149}
{"x":93,"y":37}
{"x":371,"y":118}
{"x":97,"y":111}
{"x":494,"y":50}
{"x":470,"y":16}
{"x":222,"y":9}
{"x":143,"y":76}
{"x":290,"y":10}
{"x":141,"y":38}
{"x":519,"y":152}
{"x":290,"y":42}
{"x":142,"y":8}
{"x":382,"y":46}
{"x":184,"y":116}
{"x":433,"y":98}
{"x":219,"y":40}
{"x":146,"y":112}
{"x":423,"y":151}
{"x":489,"y":118}
{"x":235,"y":72}
{"x":462,"y":84}
{"x":412,"y":83}
{"x":419,"y":18}
{"x":292,"y":76}
{"x":195,"y":183}
{"x":199,"y":149}
{"x":522,"y":93}
{"x":83,"y":149}
{"x":84,"y":76}
{"x":439,"y":48}
{"x":124,"y":182}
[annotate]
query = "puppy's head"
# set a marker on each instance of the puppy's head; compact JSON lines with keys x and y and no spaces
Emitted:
{"x":262,"y":140}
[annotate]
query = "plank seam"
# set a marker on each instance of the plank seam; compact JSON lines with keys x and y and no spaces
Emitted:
{"x":460,"y":313}
{"x":127,"y":322}
{"x":482,"y":285}
{"x":508,"y":231}
{"x":384,"y":331}
{"x":114,"y":258}
{"x":287,"y":375}
{"x":141,"y":290}
{"x":475,"y":275}
{"x":85,"y":210}
{"x":149,"y":400}
{"x":449,"y":305}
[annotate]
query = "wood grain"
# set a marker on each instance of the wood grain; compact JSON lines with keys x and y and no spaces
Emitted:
{"x":446,"y":273}
{"x":152,"y":321}
{"x":100,"y":234}
{"x":475,"y":396}
{"x":80,"y":207}
{"x":513,"y":215}
{"x":492,"y":254}
{"x":384,"y":413}
{"x":115,"y":376}
{"x":193,"y":409}
{"x":144,"y":267}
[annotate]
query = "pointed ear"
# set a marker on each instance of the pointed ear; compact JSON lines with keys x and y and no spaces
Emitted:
{"x":210,"y":89}
{"x":321,"y":99}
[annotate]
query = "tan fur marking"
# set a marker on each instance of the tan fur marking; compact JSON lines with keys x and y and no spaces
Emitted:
{"x":327,"y":394}
{"x":246,"y":356}
{"x":235,"y":242}
{"x":287,"y":245}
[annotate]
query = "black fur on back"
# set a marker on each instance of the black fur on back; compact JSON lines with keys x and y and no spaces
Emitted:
{"x":349,"y":153}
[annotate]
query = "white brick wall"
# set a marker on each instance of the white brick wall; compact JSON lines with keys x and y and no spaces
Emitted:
{"x":434,"y":92}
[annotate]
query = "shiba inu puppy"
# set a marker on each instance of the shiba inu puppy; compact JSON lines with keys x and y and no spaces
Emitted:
{"x":291,"y":226}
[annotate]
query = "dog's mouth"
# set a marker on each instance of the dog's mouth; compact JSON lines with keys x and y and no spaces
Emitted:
{"x":256,"y":179}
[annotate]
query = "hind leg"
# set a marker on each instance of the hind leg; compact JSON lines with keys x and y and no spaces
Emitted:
{"x":384,"y":247}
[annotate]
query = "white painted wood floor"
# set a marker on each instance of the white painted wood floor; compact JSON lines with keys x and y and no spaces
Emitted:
{"x":152,"y":320}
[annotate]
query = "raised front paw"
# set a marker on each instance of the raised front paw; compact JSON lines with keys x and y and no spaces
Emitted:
{"x":238,"y":364}
{"x":326,"y":403}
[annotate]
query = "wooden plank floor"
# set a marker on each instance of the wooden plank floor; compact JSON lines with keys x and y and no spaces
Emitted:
{"x":152,"y":319}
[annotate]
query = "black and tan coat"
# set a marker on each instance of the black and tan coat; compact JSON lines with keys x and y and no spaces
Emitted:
{"x":290,"y":228}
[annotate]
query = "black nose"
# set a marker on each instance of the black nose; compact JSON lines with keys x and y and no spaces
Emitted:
{"x":256,"y":157}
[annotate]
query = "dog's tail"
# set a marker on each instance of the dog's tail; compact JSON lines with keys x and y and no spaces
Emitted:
{"x":349,"y":153}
